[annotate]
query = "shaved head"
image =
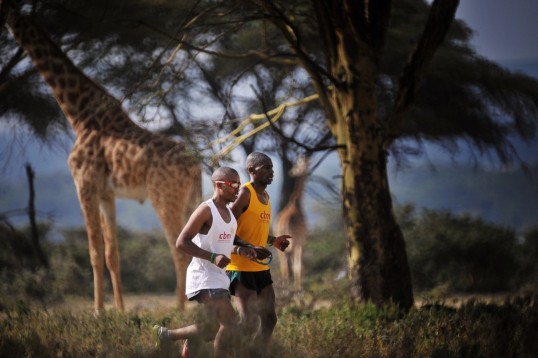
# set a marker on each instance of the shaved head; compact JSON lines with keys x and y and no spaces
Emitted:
{"x":224,"y":174}
{"x":255,"y":159}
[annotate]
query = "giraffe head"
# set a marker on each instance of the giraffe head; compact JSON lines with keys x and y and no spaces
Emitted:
{"x":300,"y":167}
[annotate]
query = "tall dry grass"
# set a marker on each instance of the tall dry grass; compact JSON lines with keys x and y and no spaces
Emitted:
{"x":339,"y":329}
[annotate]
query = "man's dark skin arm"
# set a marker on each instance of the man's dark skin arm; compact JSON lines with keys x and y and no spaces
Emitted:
{"x":261,"y":252}
{"x":200,"y":221}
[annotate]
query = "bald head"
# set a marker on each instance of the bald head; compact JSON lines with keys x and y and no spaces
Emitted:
{"x":255,"y":159}
{"x":224,"y":174}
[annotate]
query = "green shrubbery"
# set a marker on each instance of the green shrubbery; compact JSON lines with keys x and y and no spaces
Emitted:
{"x":461,"y":254}
{"x":447,"y":254}
{"x":145,"y":260}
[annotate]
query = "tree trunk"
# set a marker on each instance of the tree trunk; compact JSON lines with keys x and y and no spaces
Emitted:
{"x":354,"y":35}
{"x":378,"y":265}
{"x":32,"y":216}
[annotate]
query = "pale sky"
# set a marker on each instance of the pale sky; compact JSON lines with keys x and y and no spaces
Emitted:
{"x":505,"y":30}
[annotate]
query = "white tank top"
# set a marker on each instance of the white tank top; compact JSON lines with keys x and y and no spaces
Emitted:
{"x":202,"y":274}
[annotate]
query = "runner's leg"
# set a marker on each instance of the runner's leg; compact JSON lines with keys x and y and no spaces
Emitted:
{"x":221,"y":310}
{"x":246,"y":301}
{"x":267,"y":312}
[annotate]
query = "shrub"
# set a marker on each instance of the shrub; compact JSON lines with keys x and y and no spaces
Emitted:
{"x":460,"y":253}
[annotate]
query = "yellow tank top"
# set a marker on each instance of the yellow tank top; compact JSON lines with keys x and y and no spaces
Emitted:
{"x":253,"y":227}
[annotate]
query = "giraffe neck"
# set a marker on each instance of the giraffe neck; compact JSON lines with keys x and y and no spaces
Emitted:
{"x":298,"y":189}
{"x":78,"y":96}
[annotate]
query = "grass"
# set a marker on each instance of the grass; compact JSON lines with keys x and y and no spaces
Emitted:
{"x":305,"y":329}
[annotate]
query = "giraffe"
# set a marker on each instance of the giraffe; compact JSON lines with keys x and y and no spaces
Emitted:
{"x":112,"y":157}
{"x":291,"y":220}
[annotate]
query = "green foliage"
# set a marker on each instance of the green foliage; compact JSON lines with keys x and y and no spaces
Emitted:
{"x":22,"y":275}
{"x":46,"y":333}
{"x":325,"y":251}
{"x":447,"y":254}
{"x":145,"y":260}
{"x":147,"y":264}
{"x":15,"y":249}
{"x":476,"y":329}
{"x":528,"y":263}
{"x":71,"y":263}
{"x":460,"y":253}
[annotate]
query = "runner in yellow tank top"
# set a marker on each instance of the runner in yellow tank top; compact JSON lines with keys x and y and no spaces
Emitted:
{"x":254,"y":226}
{"x":250,"y":282}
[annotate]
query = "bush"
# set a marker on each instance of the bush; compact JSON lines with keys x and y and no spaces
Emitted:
{"x":460,"y":253}
{"x":70,"y":263}
{"x":527,"y":276}
{"x":145,"y":261}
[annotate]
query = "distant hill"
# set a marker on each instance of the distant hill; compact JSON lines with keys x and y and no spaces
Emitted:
{"x":56,"y":199}
{"x":507,"y":198}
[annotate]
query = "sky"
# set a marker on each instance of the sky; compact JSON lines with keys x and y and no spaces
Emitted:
{"x":505,"y":30}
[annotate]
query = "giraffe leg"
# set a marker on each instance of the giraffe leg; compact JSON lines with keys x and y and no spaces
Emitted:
{"x":181,"y":261}
{"x":284,"y":268}
{"x":112,"y":256}
{"x":297,"y":266}
{"x":171,"y":210}
{"x":89,"y":205}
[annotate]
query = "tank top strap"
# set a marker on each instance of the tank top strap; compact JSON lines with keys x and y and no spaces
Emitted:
{"x":216,"y":213}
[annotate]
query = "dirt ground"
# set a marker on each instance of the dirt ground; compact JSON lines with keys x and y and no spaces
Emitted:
{"x":133,"y":302}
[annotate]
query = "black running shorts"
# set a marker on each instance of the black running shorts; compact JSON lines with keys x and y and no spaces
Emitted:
{"x":255,"y":281}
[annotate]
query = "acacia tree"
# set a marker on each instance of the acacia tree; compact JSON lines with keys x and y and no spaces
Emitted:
{"x":353,"y":35}
{"x":373,"y":95}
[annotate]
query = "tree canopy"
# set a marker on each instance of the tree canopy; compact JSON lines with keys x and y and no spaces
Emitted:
{"x":130,"y":47}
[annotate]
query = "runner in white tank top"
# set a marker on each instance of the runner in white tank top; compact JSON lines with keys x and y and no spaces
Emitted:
{"x":208,"y":237}
{"x":202,"y":274}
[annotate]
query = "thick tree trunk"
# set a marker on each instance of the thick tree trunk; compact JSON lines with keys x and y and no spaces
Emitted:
{"x":377,"y":258}
{"x":354,"y":33}
{"x":378,"y":265}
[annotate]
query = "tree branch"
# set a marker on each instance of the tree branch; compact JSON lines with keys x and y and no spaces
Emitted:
{"x":272,"y":116}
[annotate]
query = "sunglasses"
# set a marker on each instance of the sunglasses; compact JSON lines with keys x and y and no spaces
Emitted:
{"x":231,"y":184}
{"x":265,"y":166}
